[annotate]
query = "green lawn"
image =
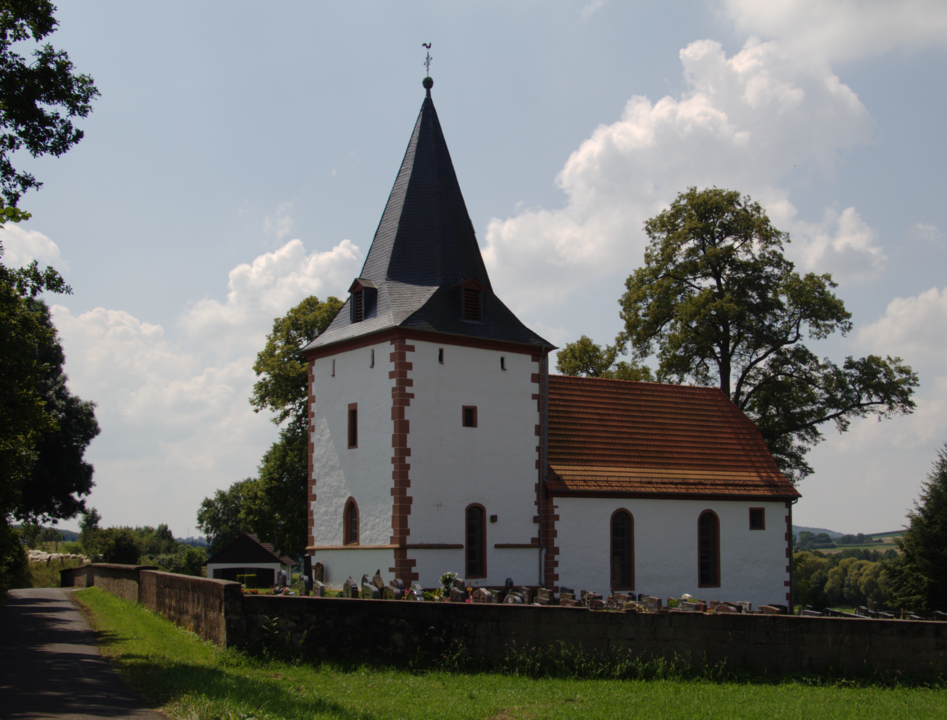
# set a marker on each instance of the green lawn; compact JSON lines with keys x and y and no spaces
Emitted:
{"x":191,"y":679}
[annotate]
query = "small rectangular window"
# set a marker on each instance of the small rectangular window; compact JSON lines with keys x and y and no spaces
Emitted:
{"x":353,"y":425}
{"x":440,"y":355}
{"x":502,"y":363}
{"x":757,"y":518}
{"x":470,"y":416}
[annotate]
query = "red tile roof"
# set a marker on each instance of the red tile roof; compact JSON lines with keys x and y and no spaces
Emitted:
{"x":611,"y":436}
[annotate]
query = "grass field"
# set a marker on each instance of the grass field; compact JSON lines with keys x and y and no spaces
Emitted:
{"x":188,"y":678}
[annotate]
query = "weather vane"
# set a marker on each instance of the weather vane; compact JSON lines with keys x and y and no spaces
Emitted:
{"x":427,"y":60}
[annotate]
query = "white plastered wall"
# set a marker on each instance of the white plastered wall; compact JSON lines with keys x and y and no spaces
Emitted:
{"x":752,"y":562}
{"x":493,"y":464}
{"x":363,"y":473}
{"x":351,"y":563}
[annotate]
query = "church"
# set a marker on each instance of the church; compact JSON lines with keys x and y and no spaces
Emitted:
{"x":440,"y":442}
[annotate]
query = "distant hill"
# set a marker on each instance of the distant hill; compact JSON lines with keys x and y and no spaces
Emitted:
{"x":796,"y":529}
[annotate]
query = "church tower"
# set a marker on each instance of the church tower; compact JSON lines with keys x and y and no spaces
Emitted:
{"x":425,"y":400}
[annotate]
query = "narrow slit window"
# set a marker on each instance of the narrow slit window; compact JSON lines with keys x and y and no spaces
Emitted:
{"x":502,"y":363}
{"x":372,"y":362}
{"x":470,"y":416}
{"x":353,"y":425}
{"x":333,"y":367}
{"x":440,"y":355}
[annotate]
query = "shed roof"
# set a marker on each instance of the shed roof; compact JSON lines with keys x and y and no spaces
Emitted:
{"x":247,"y":548}
{"x":424,"y":247}
{"x":612,"y":436}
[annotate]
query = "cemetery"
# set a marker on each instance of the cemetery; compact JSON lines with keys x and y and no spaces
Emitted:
{"x":488,"y":622}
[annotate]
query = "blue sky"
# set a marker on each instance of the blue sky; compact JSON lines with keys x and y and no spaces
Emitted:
{"x":241,"y":154}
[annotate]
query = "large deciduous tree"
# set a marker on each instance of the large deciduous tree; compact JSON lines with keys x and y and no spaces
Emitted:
{"x":719,"y":304}
{"x":919,"y":575}
{"x":220,"y":517}
{"x":38,"y":97}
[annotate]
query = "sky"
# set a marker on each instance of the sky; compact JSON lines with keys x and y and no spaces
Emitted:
{"x":241,"y":154}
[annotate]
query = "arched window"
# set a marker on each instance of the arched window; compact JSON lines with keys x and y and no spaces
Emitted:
{"x":350,"y":523}
{"x":476,"y":542}
{"x":623,"y":551}
{"x":708,"y":549}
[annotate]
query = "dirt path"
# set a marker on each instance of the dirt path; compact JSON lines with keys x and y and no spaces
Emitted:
{"x":50,"y":666}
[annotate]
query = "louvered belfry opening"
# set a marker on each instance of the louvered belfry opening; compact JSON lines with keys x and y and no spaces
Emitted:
{"x":358,"y":304}
{"x":472,"y":304}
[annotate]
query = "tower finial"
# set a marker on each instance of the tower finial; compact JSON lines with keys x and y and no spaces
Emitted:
{"x":428,"y":82}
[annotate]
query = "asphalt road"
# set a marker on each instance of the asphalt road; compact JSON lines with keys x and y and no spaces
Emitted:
{"x":50,"y":666}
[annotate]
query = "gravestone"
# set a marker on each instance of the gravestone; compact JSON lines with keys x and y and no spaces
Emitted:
{"x":483,"y":595}
{"x":724,"y":609}
{"x":378,"y":581}
{"x":617,"y":601}
{"x":369,"y":591}
{"x":513,"y":598}
{"x":652,"y":604}
{"x":416,"y":593}
{"x":770,"y":610}
{"x":318,"y":589}
{"x":526,"y":594}
{"x":688,"y":606}
{"x":319,"y":572}
{"x":587,"y":597}
{"x":350,"y":589}
{"x":567,"y":597}
{"x":595,"y":603}
{"x":545,"y":596}
{"x":457,"y":595}
{"x":307,"y":585}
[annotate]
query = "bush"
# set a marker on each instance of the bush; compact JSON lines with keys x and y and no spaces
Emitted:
{"x":14,"y":569}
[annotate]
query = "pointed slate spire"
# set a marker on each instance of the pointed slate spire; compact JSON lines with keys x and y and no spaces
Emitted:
{"x":425,"y":256}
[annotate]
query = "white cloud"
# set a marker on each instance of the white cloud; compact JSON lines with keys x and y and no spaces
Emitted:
{"x":913,"y":328}
{"x":842,"y":244}
{"x":174,"y":405}
{"x":926,"y":234}
{"x":827,"y":31}
{"x":744,"y":122}
{"x":266,"y":289}
{"x":21,"y":247}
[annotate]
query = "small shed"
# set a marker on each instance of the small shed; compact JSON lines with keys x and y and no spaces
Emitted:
{"x":246,"y":555}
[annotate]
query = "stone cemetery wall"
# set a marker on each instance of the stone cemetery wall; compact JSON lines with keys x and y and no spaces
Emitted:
{"x":765,"y":643}
{"x":119,"y":580}
{"x":212,"y":609}
{"x":76,"y":577}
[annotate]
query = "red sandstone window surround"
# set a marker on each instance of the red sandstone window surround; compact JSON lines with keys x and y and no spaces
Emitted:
{"x":476,"y":545}
{"x":350,"y":523}
{"x":353,"y":425}
{"x":622,"y":551}
{"x":708,"y":550}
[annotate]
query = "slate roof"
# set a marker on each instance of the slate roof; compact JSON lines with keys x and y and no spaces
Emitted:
{"x":612,"y":436}
{"x":247,"y":548}
{"x":424,"y":246}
